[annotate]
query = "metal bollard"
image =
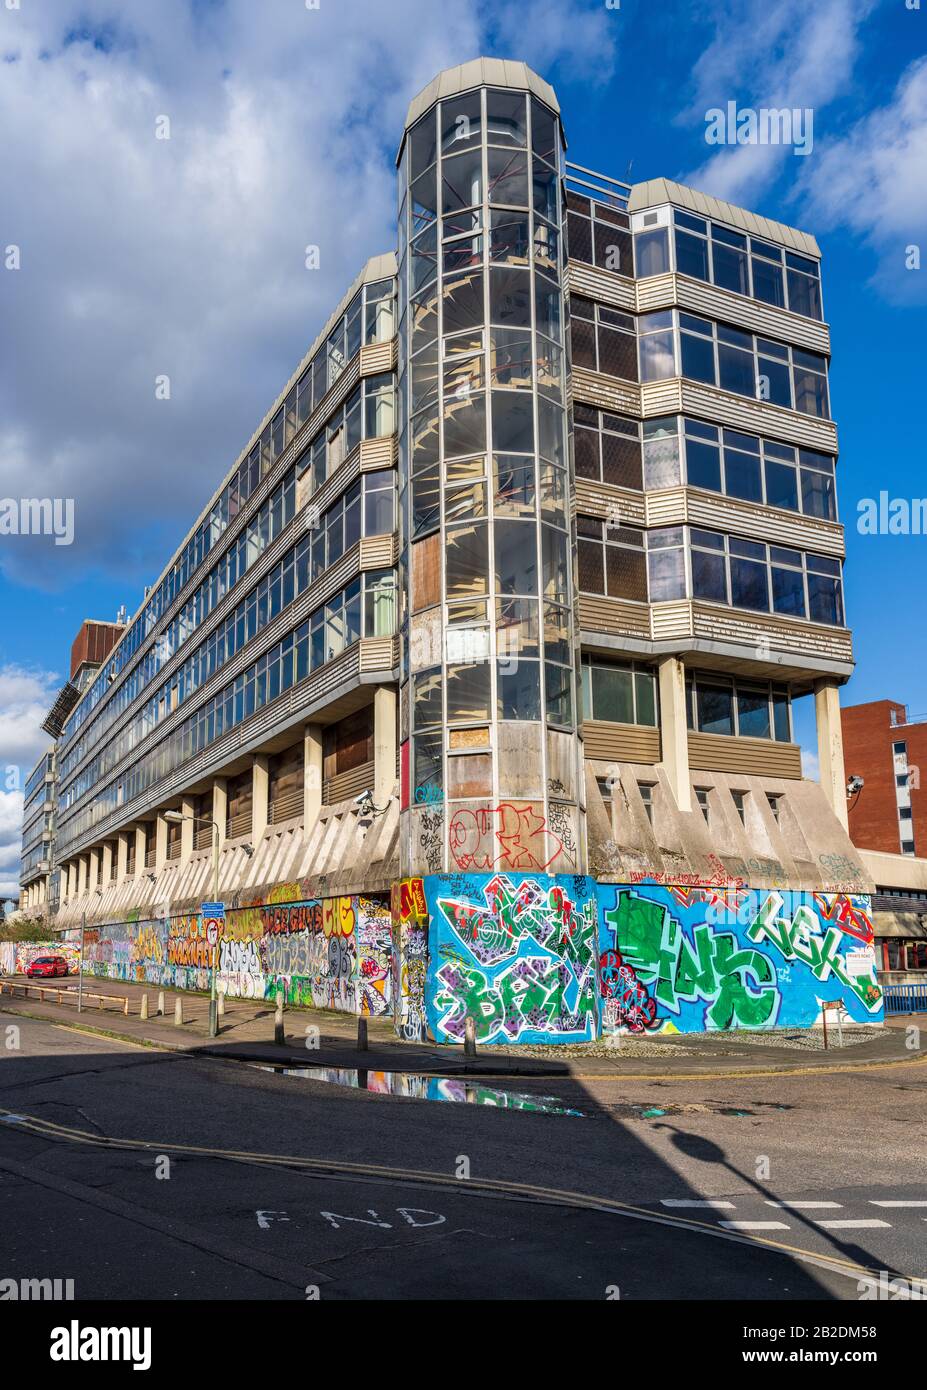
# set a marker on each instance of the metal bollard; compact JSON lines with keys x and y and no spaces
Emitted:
{"x":160,"y":1009}
{"x":220,"y":1005}
{"x":178,"y":1012}
{"x":279,"y":1035}
{"x":362,"y":1035}
{"x":125,"y":1007}
{"x":143,"y":1011}
{"x":469,"y":1036}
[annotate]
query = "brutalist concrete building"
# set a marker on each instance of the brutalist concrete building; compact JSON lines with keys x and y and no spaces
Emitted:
{"x":477,"y":670}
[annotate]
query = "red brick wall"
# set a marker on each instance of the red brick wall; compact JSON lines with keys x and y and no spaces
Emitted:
{"x":94,"y":643}
{"x":868,"y":737}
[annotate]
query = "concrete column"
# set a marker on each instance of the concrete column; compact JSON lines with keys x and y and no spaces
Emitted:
{"x":260,"y":792}
{"x":830,"y":747}
{"x":312,"y":775}
{"x":220,"y":806}
{"x":384,"y":743}
{"x":674,"y":733}
{"x":187,"y":808}
{"x":141,"y":845}
{"x":81,"y":876}
{"x":107,"y":864}
{"x":122,"y":855}
{"x":160,"y":844}
{"x":93,"y":875}
{"x":72,"y":879}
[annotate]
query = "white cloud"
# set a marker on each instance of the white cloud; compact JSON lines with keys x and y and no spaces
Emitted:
{"x":11,"y":819}
{"x":186,"y":257}
{"x":25,"y":699}
{"x":809,"y":765}
{"x":790,"y":54}
{"x":874,"y":181}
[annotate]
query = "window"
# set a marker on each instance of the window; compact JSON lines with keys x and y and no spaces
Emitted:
{"x":774,"y":799}
{"x":599,"y":235}
{"x":607,"y":447}
{"x":701,"y":799}
{"x":646,"y":790}
{"x":740,"y":804}
{"x":744,"y":265}
{"x":619,"y":693}
{"x":716,"y":704}
{"x":717,"y":354}
{"x":603,"y":339}
{"x":611,"y":559}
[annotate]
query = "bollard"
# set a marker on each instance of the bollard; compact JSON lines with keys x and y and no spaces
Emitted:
{"x":279,"y":1035}
{"x":143,"y":1011}
{"x":160,"y":1009}
{"x":125,"y":1007}
{"x":362,"y":1035}
{"x":469,"y":1037}
{"x":178,"y":1012}
{"x":220,"y":1005}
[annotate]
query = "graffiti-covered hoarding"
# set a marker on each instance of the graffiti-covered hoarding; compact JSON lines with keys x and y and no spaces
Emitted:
{"x":517,"y":953}
{"x":555,"y":959}
{"x":703,"y":959}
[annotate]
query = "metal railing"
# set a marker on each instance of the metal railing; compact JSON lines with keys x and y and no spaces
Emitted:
{"x":64,"y":994}
{"x":905,"y":999}
{"x":588,"y":184}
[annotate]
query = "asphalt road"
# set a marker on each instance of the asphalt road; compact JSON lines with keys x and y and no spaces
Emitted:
{"x":738,"y":1186}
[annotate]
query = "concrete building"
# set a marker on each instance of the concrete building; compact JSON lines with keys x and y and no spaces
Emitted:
{"x":38,"y":875}
{"x":519,"y":575}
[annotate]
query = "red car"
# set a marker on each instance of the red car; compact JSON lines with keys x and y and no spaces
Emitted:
{"x":46,"y":966}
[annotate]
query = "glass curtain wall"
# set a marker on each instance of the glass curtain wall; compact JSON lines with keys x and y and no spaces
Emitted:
{"x":489,"y":750}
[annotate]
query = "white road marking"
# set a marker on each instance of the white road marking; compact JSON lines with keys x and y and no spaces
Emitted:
{"x":715,"y":1202}
{"x":874,"y":1203}
{"x":803,"y":1206}
{"x":852,"y":1225}
{"x":754,"y":1225}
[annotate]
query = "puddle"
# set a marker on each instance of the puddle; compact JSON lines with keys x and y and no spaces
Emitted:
{"x":451,"y":1090}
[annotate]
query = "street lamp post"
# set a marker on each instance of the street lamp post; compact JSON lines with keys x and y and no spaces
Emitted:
{"x":177,"y":816}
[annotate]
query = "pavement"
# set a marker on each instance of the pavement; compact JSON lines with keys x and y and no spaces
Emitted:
{"x":151,"y":1173}
{"x":322,"y":1038}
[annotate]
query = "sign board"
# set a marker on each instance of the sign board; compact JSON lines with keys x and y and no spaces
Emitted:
{"x":213,"y":920}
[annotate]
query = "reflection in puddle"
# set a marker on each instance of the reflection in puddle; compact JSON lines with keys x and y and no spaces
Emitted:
{"x":443,"y":1088}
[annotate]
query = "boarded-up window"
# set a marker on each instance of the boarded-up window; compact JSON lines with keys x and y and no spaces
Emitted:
{"x":241,"y":798}
{"x":347,"y":749}
{"x":426,"y":573}
{"x":202,"y":826}
{"x":286,"y":784}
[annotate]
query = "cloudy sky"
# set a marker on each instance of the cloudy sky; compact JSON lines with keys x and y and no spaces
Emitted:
{"x":136,"y":257}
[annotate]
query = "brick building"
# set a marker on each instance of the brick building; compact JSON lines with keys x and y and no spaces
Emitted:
{"x":887,"y":749}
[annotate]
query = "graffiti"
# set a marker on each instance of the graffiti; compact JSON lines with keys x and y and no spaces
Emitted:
{"x":518,"y":955}
{"x":508,"y":836}
{"x":328,"y":953}
{"x":409,"y":957}
{"x":849,"y":913}
{"x":694,"y":959}
{"x":428,"y":794}
{"x":738,"y":985}
{"x":374,"y":953}
{"x":23,"y":953}
{"x":430,"y":825}
{"x":626,"y":1003}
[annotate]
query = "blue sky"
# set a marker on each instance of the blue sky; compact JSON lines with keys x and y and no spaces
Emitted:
{"x":185,"y":257}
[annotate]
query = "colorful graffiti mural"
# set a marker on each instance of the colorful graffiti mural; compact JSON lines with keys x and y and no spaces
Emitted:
{"x":703,"y":959}
{"x":409,"y":957}
{"x":331,"y":953}
{"x":517,"y":953}
{"x":17,"y":956}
